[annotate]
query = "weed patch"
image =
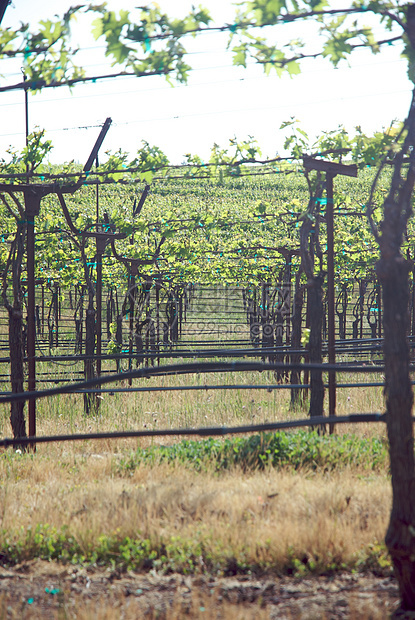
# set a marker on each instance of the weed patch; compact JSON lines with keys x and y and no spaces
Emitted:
{"x":300,"y":450}
{"x":177,"y":555}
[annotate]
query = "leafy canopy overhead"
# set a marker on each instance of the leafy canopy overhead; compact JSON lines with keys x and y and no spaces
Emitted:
{"x":147,"y":41}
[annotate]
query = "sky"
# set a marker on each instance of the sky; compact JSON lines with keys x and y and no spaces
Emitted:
{"x":221,"y":101}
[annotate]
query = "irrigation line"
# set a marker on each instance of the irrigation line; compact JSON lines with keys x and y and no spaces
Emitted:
{"x":179,"y":369}
{"x":186,"y":388}
{"x":243,"y":386}
{"x":251,"y":351}
{"x":212,"y":431}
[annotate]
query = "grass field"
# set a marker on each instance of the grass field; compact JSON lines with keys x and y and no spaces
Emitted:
{"x":285,"y":506}
{"x":84,"y":473}
{"x":294,"y":505}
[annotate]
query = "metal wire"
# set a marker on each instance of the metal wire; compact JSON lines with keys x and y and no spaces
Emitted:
{"x":212,"y":431}
{"x":345,"y":346}
{"x":178,"y":369}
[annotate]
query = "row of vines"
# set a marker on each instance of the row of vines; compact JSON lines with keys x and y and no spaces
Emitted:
{"x":245,"y":230}
{"x":148,"y":247}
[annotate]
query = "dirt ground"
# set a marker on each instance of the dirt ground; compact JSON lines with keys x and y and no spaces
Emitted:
{"x":46,"y":590}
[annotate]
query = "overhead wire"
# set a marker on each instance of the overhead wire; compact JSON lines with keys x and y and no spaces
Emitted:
{"x":284,"y":18}
{"x":194,"y":70}
{"x":217,"y":112}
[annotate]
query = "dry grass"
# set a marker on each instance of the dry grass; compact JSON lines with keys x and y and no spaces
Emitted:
{"x":74,"y":484}
{"x":263,"y":518}
{"x":203,"y":608}
{"x":178,"y":409}
{"x":199,"y":607}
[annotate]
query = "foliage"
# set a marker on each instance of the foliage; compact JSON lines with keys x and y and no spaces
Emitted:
{"x":176,"y":554}
{"x":47,"y":55}
{"x":144,"y":42}
{"x":147,"y":41}
{"x":228,"y":232}
{"x":300,"y":450}
{"x":149,"y":159}
{"x":338,"y":31}
{"x":36,"y":150}
{"x":31,"y":158}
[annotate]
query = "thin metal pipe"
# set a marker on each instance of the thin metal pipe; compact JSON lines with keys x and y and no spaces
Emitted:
{"x":189,"y":388}
{"x":181,"y":369}
{"x":212,"y":431}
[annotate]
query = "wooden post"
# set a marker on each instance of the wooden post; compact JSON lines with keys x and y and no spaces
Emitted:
{"x":331,"y":169}
{"x":33,"y":194}
{"x":331,"y":329}
{"x":32,"y":207}
{"x":101,"y":242}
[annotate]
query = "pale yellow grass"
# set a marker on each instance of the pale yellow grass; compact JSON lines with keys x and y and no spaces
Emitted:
{"x":263,"y":517}
{"x":201,"y":607}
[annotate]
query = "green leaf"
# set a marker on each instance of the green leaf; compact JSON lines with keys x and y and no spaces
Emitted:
{"x":293,"y":68}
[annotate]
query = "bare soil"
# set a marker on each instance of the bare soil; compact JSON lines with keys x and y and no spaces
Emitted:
{"x":45,"y":590}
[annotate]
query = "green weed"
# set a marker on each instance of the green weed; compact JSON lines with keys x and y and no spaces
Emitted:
{"x":293,"y":450}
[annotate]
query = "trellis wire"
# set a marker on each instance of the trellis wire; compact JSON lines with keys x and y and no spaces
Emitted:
{"x":242,"y":386}
{"x":180,"y":369}
{"x":201,"y":432}
{"x":183,"y":353}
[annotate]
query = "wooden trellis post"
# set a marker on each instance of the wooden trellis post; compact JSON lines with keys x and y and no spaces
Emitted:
{"x":33,"y":194}
{"x":331,"y":169}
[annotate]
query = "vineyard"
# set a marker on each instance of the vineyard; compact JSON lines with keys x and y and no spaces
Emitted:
{"x":206,"y":367}
{"x":229,"y":302}
{"x":205,"y":271}
{"x":240,"y":231}
{"x":191,"y":267}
